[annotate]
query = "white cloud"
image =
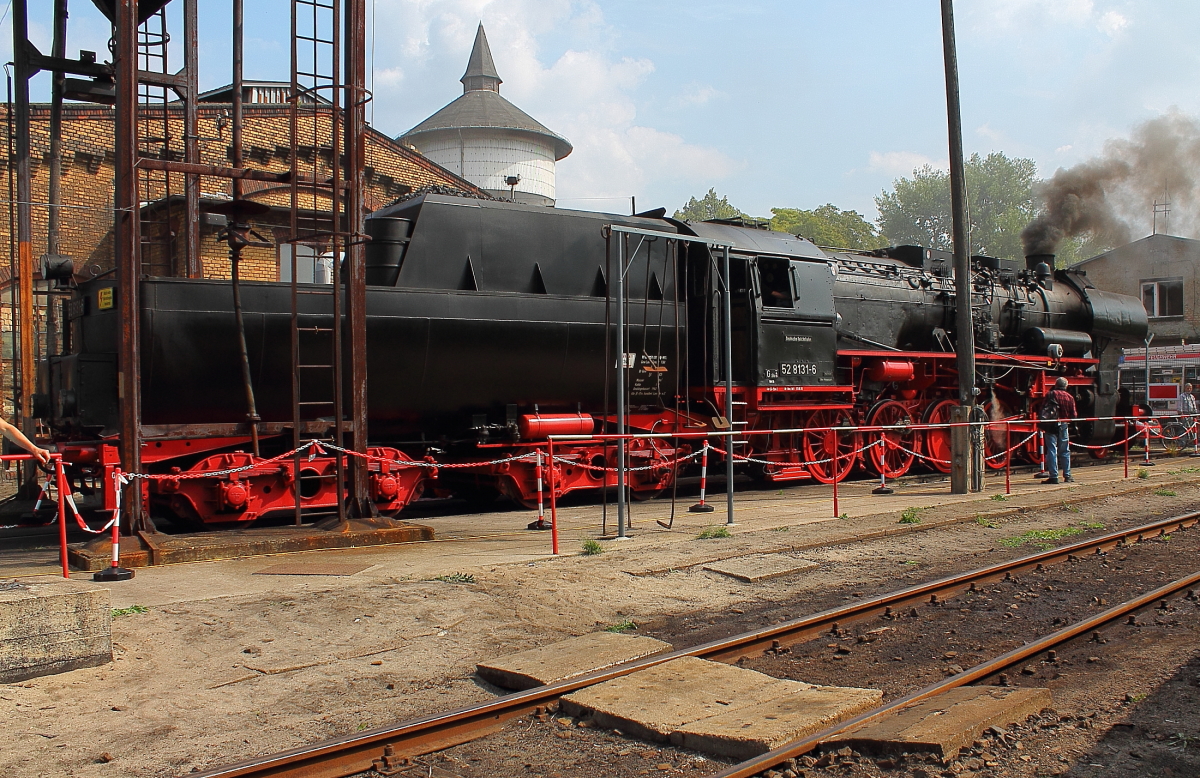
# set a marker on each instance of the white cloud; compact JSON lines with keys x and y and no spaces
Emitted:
{"x":1112,"y":23}
{"x":901,"y":162}
{"x":581,"y":91}
{"x":696,"y":94}
{"x":1063,"y":149}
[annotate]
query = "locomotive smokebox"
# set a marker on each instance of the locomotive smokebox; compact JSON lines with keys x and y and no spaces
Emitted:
{"x":1033,"y":260}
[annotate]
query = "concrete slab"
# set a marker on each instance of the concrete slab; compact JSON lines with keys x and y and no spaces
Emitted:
{"x":313,"y":568}
{"x":948,"y":722}
{"x":148,"y":548}
{"x":755,"y":730}
{"x":653,"y":703}
{"x":50,"y":625}
{"x":568,"y":659}
{"x":760,"y":567}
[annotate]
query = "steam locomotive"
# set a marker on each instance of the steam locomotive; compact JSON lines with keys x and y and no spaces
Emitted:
{"x":490,"y":327}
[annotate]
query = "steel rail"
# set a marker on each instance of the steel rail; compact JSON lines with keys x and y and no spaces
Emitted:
{"x":772,"y":759}
{"x":355,"y":753}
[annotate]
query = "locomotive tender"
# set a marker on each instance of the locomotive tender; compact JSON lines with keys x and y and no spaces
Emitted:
{"x":489,"y":328}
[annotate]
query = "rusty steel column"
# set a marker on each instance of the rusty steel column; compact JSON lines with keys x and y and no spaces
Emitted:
{"x":24,"y":408}
{"x":193,"y":265}
{"x":356,"y":282}
{"x":127,"y":237}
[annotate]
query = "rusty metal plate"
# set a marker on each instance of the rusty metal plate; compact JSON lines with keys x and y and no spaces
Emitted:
{"x":312,"y":568}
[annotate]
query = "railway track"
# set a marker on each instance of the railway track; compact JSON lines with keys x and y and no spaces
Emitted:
{"x":355,"y":753}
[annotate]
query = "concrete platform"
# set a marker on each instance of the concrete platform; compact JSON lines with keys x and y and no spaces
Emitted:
{"x":717,"y":708}
{"x":50,"y":625}
{"x":760,"y":567}
{"x":567,"y":659}
{"x":947,"y":723}
{"x":748,"y":732}
{"x":148,"y":548}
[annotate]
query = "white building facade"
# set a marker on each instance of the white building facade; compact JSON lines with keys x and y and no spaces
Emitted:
{"x":489,"y":141}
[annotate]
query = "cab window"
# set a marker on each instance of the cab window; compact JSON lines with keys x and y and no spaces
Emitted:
{"x":774,"y":280}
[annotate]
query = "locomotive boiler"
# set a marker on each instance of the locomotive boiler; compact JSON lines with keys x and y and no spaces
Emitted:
{"x":490,"y":326}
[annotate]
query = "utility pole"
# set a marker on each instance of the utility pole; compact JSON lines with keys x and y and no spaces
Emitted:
{"x":961,"y":458}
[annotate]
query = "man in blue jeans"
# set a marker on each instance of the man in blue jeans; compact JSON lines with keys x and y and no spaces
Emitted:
{"x":1058,"y":443}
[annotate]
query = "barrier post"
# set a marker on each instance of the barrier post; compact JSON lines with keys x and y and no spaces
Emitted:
{"x":1126,"y":447}
{"x":61,"y":483}
{"x":835,"y":483}
{"x":1195,"y":436}
{"x":703,"y":507}
{"x":553,"y":503}
{"x":1043,"y":473}
{"x":1146,"y":445}
{"x":116,"y":572}
{"x":541,"y":519}
{"x":1008,"y":457}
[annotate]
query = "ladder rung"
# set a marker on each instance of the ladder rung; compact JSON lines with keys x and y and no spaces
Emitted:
{"x":314,"y":329}
{"x":316,"y":402}
{"x":314,"y":366}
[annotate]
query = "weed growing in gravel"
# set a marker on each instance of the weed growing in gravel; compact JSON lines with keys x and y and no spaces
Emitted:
{"x":1165,"y":493}
{"x":1040,"y":536}
{"x":711,"y":533}
{"x":1143,"y":473}
{"x":456,"y":578}
{"x":592,"y":547}
{"x":621,"y":626}
{"x":999,"y":497}
{"x":844,"y":516}
{"x":984,"y":521}
{"x":1182,"y":470}
{"x":130,"y":611}
{"x":362,"y":725}
{"x":1072,"y":508}
{"x":1090,"y":524}
{"x":780,"y":529}
{"x":910,"y":516}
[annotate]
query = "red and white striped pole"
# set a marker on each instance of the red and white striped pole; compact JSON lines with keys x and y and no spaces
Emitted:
{"x":116,"y":572}
{"x":703,"y":507}
{"x":63,"y":491}
{"x":541,"y":504}
{"x":1043,"y":473}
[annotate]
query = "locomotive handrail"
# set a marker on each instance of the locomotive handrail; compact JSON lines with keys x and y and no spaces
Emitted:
{"x":671,"y":236}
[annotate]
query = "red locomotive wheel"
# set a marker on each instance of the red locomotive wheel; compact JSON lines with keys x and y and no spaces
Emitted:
{"x":937,"y":441}
{"x":833,"y":452}
{"x":894,"y":450}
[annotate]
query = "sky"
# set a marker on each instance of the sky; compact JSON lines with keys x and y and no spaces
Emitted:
{"x":773,"y":104}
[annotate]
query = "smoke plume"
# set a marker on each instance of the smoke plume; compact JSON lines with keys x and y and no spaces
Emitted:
{"x":1112,"y":196}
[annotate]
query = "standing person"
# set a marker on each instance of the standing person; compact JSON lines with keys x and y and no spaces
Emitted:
{"x":1058,"y":443}
{"x":1188,"y":410}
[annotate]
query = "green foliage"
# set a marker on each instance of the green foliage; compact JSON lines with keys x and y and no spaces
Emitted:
{"x":910,"y":516}
{"x":1165,"y":493}
{"x":592,"y":547}
{"x":1143,"y":473}
{"x":1034,"y":535}
{"x":1090,"y":524}
{"x":1000,"y":202}
{"x":983,"y":521}
{"x":828,"y":225}
{"x":456,"y":578}
{"x":844,"y":516}
{"x":130,"y":611}
{"x":708,"y":207}
{"x":621,"y":626}
{"x":711,"y":533}
{"x":784,"y":528}
{"x":999,"y":497}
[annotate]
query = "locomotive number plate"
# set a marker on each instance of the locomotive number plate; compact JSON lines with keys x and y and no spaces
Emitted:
{"x":797,"y":369}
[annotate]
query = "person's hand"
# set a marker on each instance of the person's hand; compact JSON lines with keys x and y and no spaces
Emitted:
{"x":42,"y":455}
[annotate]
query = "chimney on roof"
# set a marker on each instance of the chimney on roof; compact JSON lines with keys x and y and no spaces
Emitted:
{"x":481,"y":72}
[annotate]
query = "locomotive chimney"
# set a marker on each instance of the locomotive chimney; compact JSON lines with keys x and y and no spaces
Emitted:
{"x":1033,"y":260}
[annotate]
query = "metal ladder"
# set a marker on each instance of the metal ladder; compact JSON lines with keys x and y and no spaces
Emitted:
{"x":154,"y":140}
{"x":316,"y":313}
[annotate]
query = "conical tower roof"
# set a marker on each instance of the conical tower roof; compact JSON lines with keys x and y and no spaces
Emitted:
{"x":481,"y":107}
{"x":481,"y":71}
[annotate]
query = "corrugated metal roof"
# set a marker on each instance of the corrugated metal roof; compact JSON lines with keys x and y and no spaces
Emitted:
{"x":484,"y":109}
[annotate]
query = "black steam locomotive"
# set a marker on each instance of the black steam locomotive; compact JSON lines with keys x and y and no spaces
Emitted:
{"x":490,"y":326}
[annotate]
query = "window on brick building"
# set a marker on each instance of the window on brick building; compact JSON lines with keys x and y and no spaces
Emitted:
{"x":311,"y":267}
{"x":1163,"y":297}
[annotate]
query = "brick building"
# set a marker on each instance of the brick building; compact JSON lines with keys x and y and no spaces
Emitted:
{"x":85,"y":231}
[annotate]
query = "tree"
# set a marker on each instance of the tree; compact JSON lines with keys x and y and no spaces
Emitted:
{"x":708,"y":207}
{"x":1000,"y":202}
{"x":828,"y":225}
